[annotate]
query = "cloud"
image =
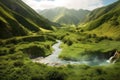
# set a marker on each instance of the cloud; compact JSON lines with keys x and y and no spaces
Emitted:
{"x":71,"y":4}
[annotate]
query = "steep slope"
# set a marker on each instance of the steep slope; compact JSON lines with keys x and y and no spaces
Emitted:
{"x":105,"y":21}
{"x":101,"y":11}
{"x":64,"y":16}
{"x":9,"y":26}
{"x":17,"y":19}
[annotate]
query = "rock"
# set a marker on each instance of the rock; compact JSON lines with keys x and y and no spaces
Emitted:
{"x":114,"y":58}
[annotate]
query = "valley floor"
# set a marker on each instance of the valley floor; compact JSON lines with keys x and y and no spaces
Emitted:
{"x":16,"y":54}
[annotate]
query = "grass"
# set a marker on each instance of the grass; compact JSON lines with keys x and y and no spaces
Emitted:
{"x":18,"y":66}
{"x":105,"y":25}
{"x":81,"y":51}
{"x":107,"y":30}
{"x":35,"y":49}
{"x":15,"y":54}
{"x":83,"y":72}
{"x":33,"y":46}
{"x":81,"y":45}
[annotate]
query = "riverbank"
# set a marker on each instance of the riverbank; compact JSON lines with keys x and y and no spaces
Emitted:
{"x":54,"y":60}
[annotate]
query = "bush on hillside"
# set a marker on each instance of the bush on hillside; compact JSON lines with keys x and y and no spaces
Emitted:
{"x":34,"y":51}
{"x":55,"y":75}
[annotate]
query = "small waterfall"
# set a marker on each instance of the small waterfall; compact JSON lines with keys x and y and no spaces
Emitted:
{"x":111,"y":59}
{"x":114,"y":58}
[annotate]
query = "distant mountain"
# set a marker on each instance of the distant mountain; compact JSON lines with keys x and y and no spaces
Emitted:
{"x":64,"y":16}
{"x":18,"y":19}
{"x":105,"y":21}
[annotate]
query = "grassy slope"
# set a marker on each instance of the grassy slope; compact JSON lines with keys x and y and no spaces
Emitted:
{"x":21,"y":8}
{"x":81,"y":46}
{"x":88,"y":51}
{"x":105,"y":21}
{"x":15,"y":63}
{"x":18,"y":67}
{"x":21,"y":20}
{"x":9,"y":23}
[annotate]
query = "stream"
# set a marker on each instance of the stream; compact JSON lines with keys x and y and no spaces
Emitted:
{"x":54,"y":60}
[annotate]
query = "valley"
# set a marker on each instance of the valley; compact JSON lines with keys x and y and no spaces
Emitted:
{"x":34,"y":48}
{"x":54,"y":60}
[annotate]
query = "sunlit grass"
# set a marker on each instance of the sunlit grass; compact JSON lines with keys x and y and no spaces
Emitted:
{"x":78,"y":50}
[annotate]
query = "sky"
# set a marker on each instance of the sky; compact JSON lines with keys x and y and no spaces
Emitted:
{"x":70,"y":4}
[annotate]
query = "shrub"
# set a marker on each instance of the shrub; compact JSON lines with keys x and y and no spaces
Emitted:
{"x":34,"y":51}
{"x":18,"y":63}
{"x":55,"y":75}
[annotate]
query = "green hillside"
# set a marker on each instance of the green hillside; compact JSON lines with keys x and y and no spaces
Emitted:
{"x":105,"y":21}
{"x":18,"y":19}
{"x":64,"y":16}
{"x":27,"y":39}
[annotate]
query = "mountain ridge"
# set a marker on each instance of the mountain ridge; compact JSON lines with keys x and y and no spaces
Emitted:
{"x":64,"y":16}
{"x":104,"y":21}
{"x":18,"y":19}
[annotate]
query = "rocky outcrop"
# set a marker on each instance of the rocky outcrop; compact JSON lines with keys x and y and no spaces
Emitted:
{"x":114,"y":58}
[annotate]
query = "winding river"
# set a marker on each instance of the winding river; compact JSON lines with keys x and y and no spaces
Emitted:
{"x":54,"y":60}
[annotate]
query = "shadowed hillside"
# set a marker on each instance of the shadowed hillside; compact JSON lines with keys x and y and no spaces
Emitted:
{"x":18,"y":19}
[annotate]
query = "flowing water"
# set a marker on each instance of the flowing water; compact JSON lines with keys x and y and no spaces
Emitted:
{"x":54,"y":60}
